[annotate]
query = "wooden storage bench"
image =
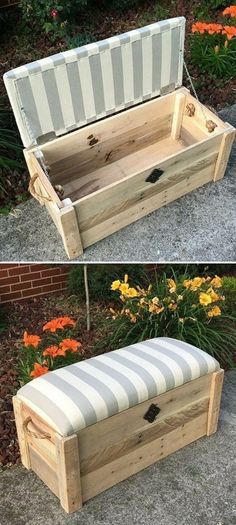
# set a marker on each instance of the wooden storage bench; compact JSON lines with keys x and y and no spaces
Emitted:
{"x":90,"y":425}
{"x":102,"y":149}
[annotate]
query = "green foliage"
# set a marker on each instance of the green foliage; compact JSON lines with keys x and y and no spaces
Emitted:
{"x":213,"y":56}
{"x":10,"y":147}
{"x":215,"y":4}
{"x":100,"y":278}
{"x":192,"y":310}
{"x":81,"y":39}
{"x":229,"y":288}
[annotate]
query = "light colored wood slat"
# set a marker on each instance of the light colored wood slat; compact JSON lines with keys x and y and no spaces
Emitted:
{"x":135,"y":441}
{"x":44,"y":471}
{"x":215,"y":399}
{"x":45,"y":448}
{"x":70,"y":232}
{"x":224,"y":153}
{"x":120,"y":469}
{"x":69,"y":472}
{"x":21,"y":432}
{"x":149,"y":205}
{"x":71,"y":144}
{"x":178,"y":115}
{"x":104,"y":153}
{"x":120,"y":426}
{"x":199,"y":118}
{"x":123,"y":168}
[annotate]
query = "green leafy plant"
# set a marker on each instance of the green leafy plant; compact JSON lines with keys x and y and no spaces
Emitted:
{"x":99,"y":278}
{"x":192,"y":310}
{"x":54,"y":349}
{"x":229,"y":288}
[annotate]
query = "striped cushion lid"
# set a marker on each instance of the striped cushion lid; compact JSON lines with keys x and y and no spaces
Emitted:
{"x":63,"y":92}
{"x":79,"y":395}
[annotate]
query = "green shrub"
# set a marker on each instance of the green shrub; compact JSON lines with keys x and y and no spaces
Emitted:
{"x":229,"y":288}
{"x":100,"y":277}
{"x":54,"y":348}
{"x":192,"y":310}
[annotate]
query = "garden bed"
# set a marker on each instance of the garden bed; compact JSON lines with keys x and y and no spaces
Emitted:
{"x":20,"y":45}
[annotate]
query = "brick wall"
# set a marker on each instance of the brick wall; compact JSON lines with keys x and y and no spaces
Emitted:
{"x":20,"y":281}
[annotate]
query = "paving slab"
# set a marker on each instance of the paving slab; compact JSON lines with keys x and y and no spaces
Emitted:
{"x":197,"y":227}
{"x":194,"y":486}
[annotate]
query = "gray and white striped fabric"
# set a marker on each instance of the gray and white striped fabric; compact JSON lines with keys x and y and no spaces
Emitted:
{"x":68,"y":90}
{"x":82,"y":394}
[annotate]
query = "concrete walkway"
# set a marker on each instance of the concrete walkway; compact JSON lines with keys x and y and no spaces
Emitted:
{"x":195,"y":486}
{"x":198,"y":227}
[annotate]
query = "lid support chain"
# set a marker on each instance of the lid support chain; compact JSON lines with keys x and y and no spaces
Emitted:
{"x":210,"y":125}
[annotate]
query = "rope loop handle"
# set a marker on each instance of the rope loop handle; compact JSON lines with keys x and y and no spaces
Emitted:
{"x":38,"y":434}
{"x":38,"y":196}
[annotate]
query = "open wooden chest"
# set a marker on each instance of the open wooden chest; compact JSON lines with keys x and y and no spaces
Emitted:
{"x":110,"y":133}
{"x":88,"y":426}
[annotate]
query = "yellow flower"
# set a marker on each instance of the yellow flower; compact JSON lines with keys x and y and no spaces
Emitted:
{"x":214,"y":296}
{"x":155,"y":300}
{"x":187,"y":283}
{"x":132,"y":292}
{"x":133,"y":318}
{"x":172,"y":306}
{"x":171,"y":285}
{"x":150,"y":287}
{"x":214,"y":312}
{"x":216,"y":282}
{"x":154,"y":309}
{"x":180,"y":298}
{"x":126,"y":278}
{"x":115,"y":285}
{"x":205,"y":299}
{"x":124,"y":287}
{"x":194,"y":284}
{"x":142,"y":302}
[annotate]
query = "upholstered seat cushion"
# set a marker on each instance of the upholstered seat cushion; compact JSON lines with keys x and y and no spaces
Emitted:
{"x":79,"y":395}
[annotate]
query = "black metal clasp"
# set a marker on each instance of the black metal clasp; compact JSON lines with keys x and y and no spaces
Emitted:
{"x":152,"y":413}
{"x":154,"y":176}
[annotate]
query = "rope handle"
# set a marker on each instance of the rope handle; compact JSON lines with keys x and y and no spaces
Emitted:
{"x":210,"y":125}
{"x":38,"y":196}
{"x":38,"y":434}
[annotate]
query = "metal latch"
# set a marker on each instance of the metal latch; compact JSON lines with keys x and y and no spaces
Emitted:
{"x":152,"y":413}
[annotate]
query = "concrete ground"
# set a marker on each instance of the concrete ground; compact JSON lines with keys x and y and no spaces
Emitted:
{"x":195,"y":486}
{"x":198,"y":227}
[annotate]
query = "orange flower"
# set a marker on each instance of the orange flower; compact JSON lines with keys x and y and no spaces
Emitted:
{"x":59,"y":323}
{"x":213,"y":29}
{"x":53,"y":351}
{"x":229,"y":31}
{"x":39,"y":370}
{"x":231,"y":11}
{"x":31,"y":340}
{"x":70,"y":344}
{"x":199,"y":27}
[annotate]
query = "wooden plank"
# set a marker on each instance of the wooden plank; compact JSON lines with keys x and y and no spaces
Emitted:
{"x":135,"y":441}
{"x":119,"y":427}
{"x":101,"y":479}
{"x":68,"y":465}
{"x":215,"y":399}
{"x":123,"y":195}
{"x":70,"y":233}
{"x":114,"y":126}
{"x":21,"y":432}
{"x":178,"y":115}
{"x":224,"y":153}
{"x":45,"y":185}
{"x":44,"y":470}
{"x":137,"y":211}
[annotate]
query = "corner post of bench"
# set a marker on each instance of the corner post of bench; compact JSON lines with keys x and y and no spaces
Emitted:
{"x":215,"y":399}
{"x":68,"y":472}
{"x":224,"y":153}
{"x":180,"y":99}
{"x":69,"y":229}
{"x":21,"y":432}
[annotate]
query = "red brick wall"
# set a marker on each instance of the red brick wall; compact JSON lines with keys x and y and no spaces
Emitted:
{"x":20,"y":281}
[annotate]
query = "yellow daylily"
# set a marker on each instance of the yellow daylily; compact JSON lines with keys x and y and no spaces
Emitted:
{"x":214,"y":296}
{"x":172,"y":306}
{"x":115,"y":285}
{"x":132,"y":292}
{"x":216,"y":282}
{"x":205,"y":299}
{"x":214,"y":312}
{"x":171,"y":285}
{"x":124,"y":287}
{"x":126,"y":278}
{"x":154,"y":309}
{"x":155,"y":300}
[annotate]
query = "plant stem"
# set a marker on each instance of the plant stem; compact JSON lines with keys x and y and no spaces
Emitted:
{"x":87,"y":296}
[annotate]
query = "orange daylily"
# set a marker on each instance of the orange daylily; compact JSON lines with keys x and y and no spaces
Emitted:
{"x":213,"y":29}
{"x":70,"y":345}
{"x":229,"y":31}
{"x":199,"y":27}
{"x":39,"y":370}
{"x":202,"y":27}
{"x":53,"y":351}
{"x":231,"y":11}
{"x":31,"y":340}
{"x":58,"y":323}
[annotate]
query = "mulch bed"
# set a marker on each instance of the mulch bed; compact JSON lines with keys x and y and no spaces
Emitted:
{"x":30,"y":315}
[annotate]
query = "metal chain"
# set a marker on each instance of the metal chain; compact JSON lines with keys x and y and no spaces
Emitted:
{"x":194,"y":91}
